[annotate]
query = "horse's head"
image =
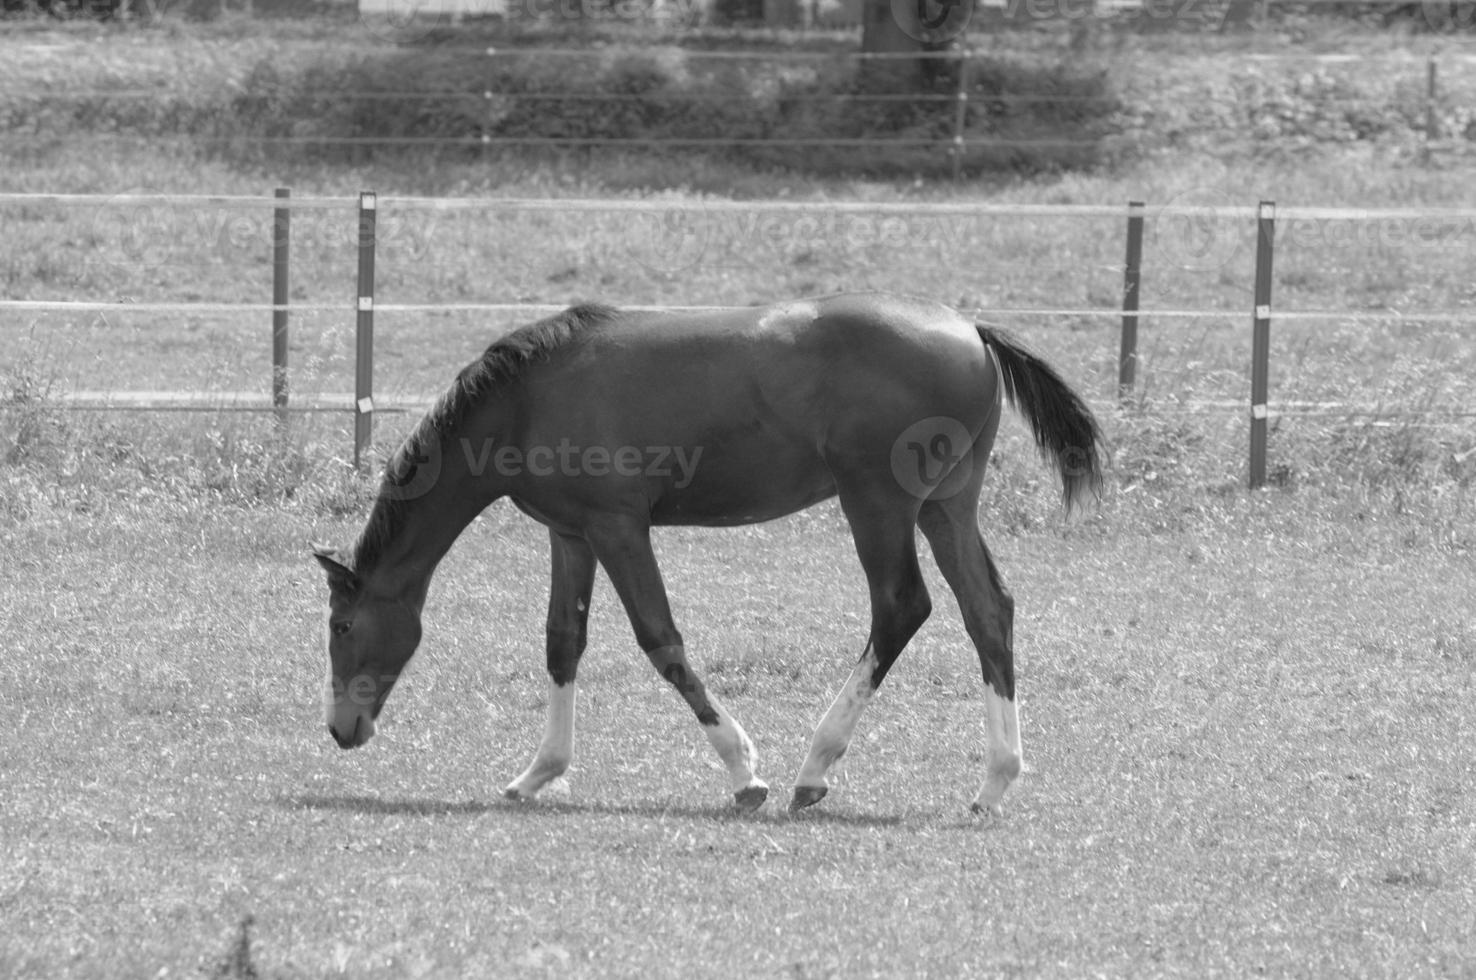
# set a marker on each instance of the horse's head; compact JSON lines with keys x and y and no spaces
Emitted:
{"x":370,"y":638}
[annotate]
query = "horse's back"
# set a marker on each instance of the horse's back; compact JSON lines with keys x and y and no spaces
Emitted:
{"x":775,"y":398}
{"x":807,"y":365}
{"x":867,"y":332}
{"x":866,"y":366}
{"x":859,"y":321}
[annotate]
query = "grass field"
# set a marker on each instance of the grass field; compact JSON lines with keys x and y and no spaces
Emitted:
{"x":1247,"y":717}
{"x":1249,"y":749}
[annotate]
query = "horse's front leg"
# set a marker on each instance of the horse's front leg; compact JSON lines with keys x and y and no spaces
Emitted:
{"x":624,"y":548}
{"x":568,"y":616}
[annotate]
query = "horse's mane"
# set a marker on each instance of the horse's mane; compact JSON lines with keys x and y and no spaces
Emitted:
{"x":503,"y":362}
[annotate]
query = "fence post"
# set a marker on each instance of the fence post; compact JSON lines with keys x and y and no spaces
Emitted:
{"x":961,"y":108}
{"x":1432,"y":113}
{"x":364,"y":332}
{"x":1261,"y":341}
{"x":1132,"y":278}
{"x":281,"y":266}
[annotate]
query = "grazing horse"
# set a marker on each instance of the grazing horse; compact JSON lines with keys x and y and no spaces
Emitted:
{"x":601,"y":424}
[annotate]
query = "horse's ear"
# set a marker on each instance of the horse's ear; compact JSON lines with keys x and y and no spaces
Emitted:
{"x":341,"y":578}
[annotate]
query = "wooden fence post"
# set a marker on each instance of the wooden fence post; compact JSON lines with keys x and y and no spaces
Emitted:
{"x":1132,"y":278}
{"x":1261,"y":341}
{"x":364,"y":332}
{"x":281,"y":268}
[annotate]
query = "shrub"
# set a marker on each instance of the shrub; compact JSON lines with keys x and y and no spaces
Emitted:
{"x":632,"y":95}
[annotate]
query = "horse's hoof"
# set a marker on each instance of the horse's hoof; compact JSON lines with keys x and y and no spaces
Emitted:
{"x":806,"y":796}
{"x":751,"y":797}
{"x":990,"y":809}
{"x":516,"y":795}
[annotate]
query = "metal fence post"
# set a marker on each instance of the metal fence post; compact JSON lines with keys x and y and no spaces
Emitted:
{"x":961,"y":108}
{"x":1261,"y":341}
{"x":364,"y":332}
{"x":1132,"y":278}
{"x":1432,"y":107}
{"x":281,"y":267}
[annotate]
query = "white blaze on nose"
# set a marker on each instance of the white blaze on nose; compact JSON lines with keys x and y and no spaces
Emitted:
{"x":329,"y":701}
{"x":347,"y":706}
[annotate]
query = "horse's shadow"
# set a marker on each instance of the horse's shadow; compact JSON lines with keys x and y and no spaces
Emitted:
{"x":548,"y":809}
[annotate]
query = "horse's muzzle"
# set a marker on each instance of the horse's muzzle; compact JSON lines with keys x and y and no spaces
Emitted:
{"x":362,"y":732}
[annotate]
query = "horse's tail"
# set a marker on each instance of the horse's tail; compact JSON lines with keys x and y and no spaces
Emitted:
{"x":1065,"y":430}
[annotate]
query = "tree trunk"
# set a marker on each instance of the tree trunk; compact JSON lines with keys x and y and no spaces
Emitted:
{"x":899,"y":27}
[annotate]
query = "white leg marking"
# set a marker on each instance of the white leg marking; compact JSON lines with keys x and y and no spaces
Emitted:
{"x":1003,"y":756}
{"x":557,"y":748}
{"x":833,"y":734}
{"x":737,"y":752}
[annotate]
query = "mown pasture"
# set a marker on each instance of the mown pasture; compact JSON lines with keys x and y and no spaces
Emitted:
{"x":1248,"y":748}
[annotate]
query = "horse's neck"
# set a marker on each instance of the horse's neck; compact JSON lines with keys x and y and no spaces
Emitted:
{"x":423,"y":521}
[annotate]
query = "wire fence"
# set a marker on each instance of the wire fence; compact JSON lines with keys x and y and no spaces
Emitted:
{"x":366,"y":209}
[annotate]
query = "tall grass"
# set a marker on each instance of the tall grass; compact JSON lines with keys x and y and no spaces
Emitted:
{"x":55,"y":462}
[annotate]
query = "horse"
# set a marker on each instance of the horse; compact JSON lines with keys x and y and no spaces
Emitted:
{"x":602,"y":424}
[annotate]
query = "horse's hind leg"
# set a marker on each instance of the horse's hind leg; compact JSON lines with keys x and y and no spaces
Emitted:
{"x":624,"y":549}
{"x":883,"y":525}
{"x":951,"y":527}
{"x":568,"y":616}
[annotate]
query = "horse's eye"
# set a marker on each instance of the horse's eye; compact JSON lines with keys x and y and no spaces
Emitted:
{"x":341,"y":627}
